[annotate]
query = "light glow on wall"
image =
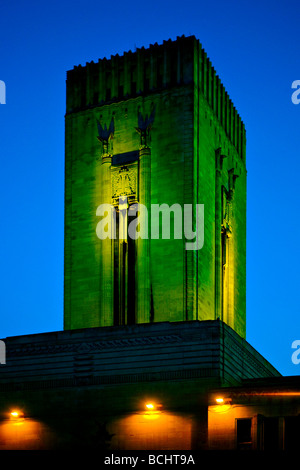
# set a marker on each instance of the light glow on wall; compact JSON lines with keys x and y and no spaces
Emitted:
{"x":220,"y":408}
{"x":20,"y":433}
{"x":153,"y":429}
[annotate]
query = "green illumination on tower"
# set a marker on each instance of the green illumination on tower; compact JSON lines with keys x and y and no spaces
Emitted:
{"x":155,"y":126}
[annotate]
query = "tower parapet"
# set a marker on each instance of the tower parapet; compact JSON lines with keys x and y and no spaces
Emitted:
{"x":183,"y":62}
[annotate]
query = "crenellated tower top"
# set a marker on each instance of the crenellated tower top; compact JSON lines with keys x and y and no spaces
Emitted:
{"x":182,"y":62}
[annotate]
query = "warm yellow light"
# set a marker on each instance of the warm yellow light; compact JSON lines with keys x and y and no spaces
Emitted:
{"x":220,"y":400}
{"x":17,"y":414}
{"x":219,"y":408}
{"x":149,"y":406}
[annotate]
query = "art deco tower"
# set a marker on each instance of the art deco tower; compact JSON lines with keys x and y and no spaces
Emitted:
{"x":153,"y":127}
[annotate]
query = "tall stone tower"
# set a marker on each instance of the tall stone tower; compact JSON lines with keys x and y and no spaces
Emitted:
{"x":153,"y":128}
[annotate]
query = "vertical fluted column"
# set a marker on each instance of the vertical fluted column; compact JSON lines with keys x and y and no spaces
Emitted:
{"x":106,"y":257}
{"x":218,"y":241}
{"x":230,"y":243}
{"x":107,"y":284}
{"x":228,"y":272}
{"x":143,"y":244}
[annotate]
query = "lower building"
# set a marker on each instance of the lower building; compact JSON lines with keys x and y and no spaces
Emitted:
{"x":138,"y":387}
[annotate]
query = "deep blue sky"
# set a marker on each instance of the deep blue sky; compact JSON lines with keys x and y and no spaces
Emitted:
{"x":253,"y":45}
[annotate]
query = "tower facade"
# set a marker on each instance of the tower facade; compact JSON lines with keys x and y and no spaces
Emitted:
{"x":152,"y":141}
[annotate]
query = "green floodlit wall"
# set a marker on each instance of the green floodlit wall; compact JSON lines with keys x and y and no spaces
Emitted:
{"x":196,"y":141}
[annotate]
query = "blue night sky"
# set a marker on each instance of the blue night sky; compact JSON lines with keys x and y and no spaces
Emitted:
{"x":254,"y":47}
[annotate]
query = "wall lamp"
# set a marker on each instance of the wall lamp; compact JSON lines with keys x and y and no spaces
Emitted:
{"x":152,"y":406}
{"x":223,"y":401}
{"x":16,"y":414}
